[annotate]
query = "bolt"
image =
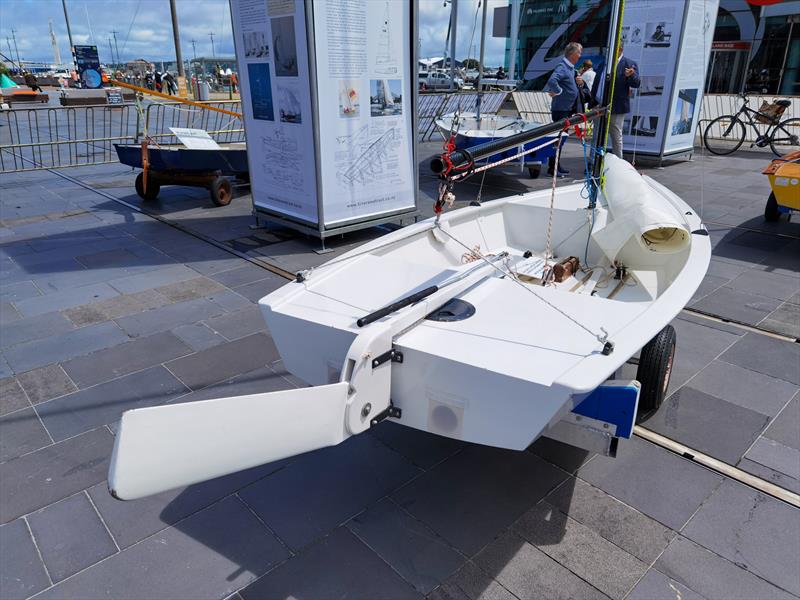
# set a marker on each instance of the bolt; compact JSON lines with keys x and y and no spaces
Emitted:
{"x":366,"y":410}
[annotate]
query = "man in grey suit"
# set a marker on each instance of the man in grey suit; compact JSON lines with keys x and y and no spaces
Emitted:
{"x":564,"y":87}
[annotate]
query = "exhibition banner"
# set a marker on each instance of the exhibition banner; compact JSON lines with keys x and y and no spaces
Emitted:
{"x":88,"y":67}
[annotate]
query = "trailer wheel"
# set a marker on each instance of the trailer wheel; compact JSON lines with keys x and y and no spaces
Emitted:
{"x":655,"y":368}
{"x":221,"y":191}
{"x":534,"y":171}
{"x":153,"y":188}
{"x":771,"y":212}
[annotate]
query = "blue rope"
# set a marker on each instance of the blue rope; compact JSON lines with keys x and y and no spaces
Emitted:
{"x":589,"y":184}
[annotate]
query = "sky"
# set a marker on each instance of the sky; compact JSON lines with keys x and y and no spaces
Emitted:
{"x":144,"y":28}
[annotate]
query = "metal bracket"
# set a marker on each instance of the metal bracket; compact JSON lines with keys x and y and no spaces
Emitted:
{"x":391,"y":411}
{"x":393,"y":355}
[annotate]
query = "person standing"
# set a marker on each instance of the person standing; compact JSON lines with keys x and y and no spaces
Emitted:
{"x":564,"y":87}
{"x":627,"y":80}
{"x":587,"y":73}
{"x":31,"y":81}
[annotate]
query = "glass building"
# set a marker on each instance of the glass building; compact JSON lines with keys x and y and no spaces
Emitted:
{"x":756,"y":45}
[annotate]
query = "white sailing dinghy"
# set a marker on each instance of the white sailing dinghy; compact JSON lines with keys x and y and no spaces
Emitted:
{"x":469,"y":344}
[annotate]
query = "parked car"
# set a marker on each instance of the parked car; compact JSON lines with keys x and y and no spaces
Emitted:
{"x":436,"y":80}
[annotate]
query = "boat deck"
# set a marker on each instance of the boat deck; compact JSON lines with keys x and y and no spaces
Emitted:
{"x":105,"y":309}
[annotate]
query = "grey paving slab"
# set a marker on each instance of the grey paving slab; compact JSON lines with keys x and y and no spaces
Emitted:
{"x":420,"y":556}
{"x":5,"y":369}
{"x":38,"y":353}
{"x":784,"y":320}
{"x":86,"y":409}
{"x":740,"y":306}
{"x":699,"y":342}
{"x":46,"y":383}
{"x":744,"y":387}
{"x":134,"y":520}
{"x":12,"y":397}
{"x":22,"y":573}
{"x":339,"y":566}
{"x":785,"y":428}
{"x":190,"y":289}
{"x":316,"y":492}
{"x":241,"y":275}
{"x":257,"y":381}
{"x":225,"y":360}
{"x":8,"y":314}
{"x":34,"y":328}
{"x":168,"y":317}
{"x":20,"y":433}
{"x":208,"y":555}
{"x":70,"y":536}
{"x":569,"y":458}
{"x":420,"y":447}
{"x":132,"y":356}
{"x":767,"y":284}
{"x":240,"y":323}
{"x":663,"y":486}
{"x":709,"y":284}
{"x":65,"y":299}
{"x":580,"y":549}
{"x":529,"y":574}
{"x":761,"y":241}
{"x":198,"y":336}
{"x":776,"y":456}
{"x":229,"y":300}
{"x":114,"y":308}
{"x":120,"y":257}
{"x":725,"y":270}
{"x":470,"y":583}
{"x":771,"y":475}
{"x":706,"y":423}
{"x":22,"y":290}
{"x":627,"y":528}
{"x":258,"y":289}
{"x":152,"y":279}
{"x":712,"y":576}
{"x":767,"y":355}
{"x":52,"y":473}
{"x":472,"y":496}
{"x":657,"y":586}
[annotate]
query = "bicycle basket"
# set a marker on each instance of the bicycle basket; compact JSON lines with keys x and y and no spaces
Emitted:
{"x":769,"y":113}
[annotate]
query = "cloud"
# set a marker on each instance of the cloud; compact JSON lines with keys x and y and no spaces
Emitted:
{"x":144,"y":28}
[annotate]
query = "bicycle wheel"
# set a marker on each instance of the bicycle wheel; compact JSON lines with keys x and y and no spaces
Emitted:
{"x":785,"y":137}
{"x":724,"y":135}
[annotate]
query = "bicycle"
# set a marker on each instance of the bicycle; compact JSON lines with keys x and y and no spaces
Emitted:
{"x":725,"y":134}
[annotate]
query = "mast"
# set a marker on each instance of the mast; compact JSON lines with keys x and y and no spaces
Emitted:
{"x":56,"y":51}
{"x":601,"y":131}
{"x":177,"y":38}
{"x":512,"y":61}
{"x":480,"y":61}
{"x":69,"y":35}
{"x":453,"y":29}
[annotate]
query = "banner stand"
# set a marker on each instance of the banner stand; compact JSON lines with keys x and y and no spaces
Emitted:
{"x":329,"y":107}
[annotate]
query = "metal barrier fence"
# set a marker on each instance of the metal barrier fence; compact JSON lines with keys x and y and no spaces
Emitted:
{"x":432,"y":106}
{"x":77,"y":136}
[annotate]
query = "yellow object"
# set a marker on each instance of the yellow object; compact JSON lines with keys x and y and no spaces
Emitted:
{"x":174,"y":98}
{"x":784,"y":178}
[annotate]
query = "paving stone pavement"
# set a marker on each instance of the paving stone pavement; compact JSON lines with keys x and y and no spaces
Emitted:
{"x":104,"y":309}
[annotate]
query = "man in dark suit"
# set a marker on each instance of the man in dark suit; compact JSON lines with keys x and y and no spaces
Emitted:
{"x":564,"y":87}
{"x":627,"y":80}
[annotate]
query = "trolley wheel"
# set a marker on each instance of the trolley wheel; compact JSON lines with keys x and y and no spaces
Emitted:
{"x":221,"y":191}
{"x":153,"y":188}
{"x":771,"y":212}
{"x":655,"y":368}
{"x":534,"y":171}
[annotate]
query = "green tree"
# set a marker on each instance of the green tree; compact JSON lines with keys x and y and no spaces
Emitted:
{"x":471,"y":63}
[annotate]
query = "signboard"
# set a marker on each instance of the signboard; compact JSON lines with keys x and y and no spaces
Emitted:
{"x":196,"y":139}
{"x":183,"y":89}
{"x":328,"y":107}
{"x":88,"y":67}
{"x":670,"y":40}
{"x":114,"y":96}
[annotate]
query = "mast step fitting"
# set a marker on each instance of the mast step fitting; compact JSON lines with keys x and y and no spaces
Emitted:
{"x":393,"y":355}
{"x":392,"y":411}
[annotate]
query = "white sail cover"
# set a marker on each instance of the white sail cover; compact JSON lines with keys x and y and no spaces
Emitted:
{"x":634,"y":209}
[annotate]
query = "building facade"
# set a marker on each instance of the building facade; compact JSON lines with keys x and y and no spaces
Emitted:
{"x":756,"y":45}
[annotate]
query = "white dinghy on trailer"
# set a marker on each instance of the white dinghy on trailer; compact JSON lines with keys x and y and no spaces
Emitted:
{"x":496,"y":323}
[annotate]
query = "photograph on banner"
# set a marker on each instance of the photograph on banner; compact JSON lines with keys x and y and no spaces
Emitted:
{"x":284,"y":46}
{"x":650,"y":85}
{"x":658,"y":35}
{"x":644,"y":125}
{"x":256,"y":45}
{"x":289,"y":104}
{"x":277,"y":8}
{"x":261,"y":91}
{"x":684,"y":112}
{"x":348,"y":98}
{"x":386,"y":97}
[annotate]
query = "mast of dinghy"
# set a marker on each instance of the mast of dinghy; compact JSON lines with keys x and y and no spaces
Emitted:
{"x":601,"y":132}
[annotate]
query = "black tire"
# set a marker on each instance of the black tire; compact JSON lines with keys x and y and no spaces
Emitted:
{"x":724,"y":135}
{"x":655,"y":368}
{"x":153,"y":188}
{"x":534,"y":171}
{"x":771,"y":212}
{"x":785,"y":137}
{"x":221,"y":191}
